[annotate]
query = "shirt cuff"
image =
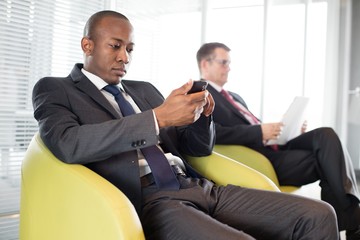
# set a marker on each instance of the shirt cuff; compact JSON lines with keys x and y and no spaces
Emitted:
{"x":156,"y":124}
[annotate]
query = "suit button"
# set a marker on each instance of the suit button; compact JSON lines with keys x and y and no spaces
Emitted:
{"x":133,"y":144}
{"x":143,"y":142}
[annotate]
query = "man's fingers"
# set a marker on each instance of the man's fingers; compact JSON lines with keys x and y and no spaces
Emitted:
{"x":183,"y":89}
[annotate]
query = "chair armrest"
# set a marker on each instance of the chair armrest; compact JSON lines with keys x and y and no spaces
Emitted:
{"x":250,"y":158}
{"x":223,"y":170}
{"x":254,"y":160}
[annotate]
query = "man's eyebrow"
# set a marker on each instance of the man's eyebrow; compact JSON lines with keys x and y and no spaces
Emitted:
{"x":122,"y":41}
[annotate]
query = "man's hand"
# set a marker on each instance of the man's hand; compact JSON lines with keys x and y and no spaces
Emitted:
{"x":271,"y":130}
{"x":303,"y":127}
{"x":180,"y":108}
{"x":210,"y":105}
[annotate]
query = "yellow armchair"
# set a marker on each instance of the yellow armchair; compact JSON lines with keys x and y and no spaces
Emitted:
{"x":224,"y":170}
{"x":68,"y":201}
{"x":254,"y":160}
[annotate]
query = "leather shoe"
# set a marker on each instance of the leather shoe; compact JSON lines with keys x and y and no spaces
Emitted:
{"x":353,"y":234}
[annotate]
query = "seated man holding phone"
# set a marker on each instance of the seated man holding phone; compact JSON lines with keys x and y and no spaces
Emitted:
{"x":130,"y":135}
{"x":314,"y":155}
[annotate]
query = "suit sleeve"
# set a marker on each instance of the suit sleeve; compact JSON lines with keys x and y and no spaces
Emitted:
{"x":197,"y":139}
{"x":232,"y":128}
{"x":240,"y":134}
{"x":77,"y":130}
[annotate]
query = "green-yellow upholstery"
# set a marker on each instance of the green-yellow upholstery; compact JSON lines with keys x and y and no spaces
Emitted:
{"x":68,"y":201}
{"x":224,"y":170}
{"x":254,"y":160}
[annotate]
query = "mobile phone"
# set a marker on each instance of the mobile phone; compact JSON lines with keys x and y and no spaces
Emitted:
{"x":198,"y":86}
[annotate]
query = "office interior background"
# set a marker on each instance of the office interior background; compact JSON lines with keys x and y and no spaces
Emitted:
{"x":280,"y":49}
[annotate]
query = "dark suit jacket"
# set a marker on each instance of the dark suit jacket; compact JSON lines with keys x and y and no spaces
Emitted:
{"x":231,"y":126}
{"x":294,"y":164}
{"x":79,"y":125}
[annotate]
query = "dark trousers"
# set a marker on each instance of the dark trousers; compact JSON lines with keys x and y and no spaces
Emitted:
{"x":202,"y":211}
{"x":319,"y":155}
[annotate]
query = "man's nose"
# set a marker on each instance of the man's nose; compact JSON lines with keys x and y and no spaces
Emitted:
{"x":123,"y":56}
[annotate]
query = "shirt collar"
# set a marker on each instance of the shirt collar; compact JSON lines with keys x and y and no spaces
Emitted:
{"x":214,"y":85}
{"x":97,"y":81}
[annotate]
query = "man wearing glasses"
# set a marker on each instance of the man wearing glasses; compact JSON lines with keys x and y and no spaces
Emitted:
{"x":314,"y":155}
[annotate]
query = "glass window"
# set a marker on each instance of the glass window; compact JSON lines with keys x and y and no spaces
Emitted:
{"x":277,"y":51}
{"x":241,"y":29}
{"x":315,"y":62}
{"x":167,"y":37}
{"x":284,"y":62}
{"x":37,"y":39}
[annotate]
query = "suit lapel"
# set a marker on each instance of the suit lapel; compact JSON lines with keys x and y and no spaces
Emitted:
{"x":241,"y":101}
{"x":142,"y":102}
{"x":221,"y":101}
{"x":87,"y":87}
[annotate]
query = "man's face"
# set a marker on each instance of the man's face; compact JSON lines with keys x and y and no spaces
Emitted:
{"x":108,"y":53}
{"x":217,"y":68}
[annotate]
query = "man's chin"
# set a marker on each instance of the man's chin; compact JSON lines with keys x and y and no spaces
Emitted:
{"x":114,"y":81}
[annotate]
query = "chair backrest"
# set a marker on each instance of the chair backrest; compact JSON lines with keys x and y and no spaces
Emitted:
{"x":68,"y":201}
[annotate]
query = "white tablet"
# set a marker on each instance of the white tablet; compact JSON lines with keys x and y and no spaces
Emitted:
{"x":292,"y":120}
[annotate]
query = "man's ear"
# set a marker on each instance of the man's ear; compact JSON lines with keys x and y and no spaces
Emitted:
{"x":87,"y":45}
{"x":204,"y":64}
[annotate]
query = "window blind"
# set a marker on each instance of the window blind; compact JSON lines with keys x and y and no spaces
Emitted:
{"x":37,"y":39}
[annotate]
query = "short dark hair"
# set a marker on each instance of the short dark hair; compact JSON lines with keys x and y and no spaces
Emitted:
{"x":95,"y":19}
{"x":207,"y":50}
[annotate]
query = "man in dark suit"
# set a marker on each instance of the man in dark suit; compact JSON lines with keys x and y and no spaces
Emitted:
{"x":84,"y":119}
{"x":314,"y":155}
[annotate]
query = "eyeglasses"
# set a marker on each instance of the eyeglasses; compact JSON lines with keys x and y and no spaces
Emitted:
{"x":223,"y":62}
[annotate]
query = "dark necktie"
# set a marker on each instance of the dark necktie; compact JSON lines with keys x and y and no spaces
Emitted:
{"x":244,"y":111}
{"x":163,"y":174}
